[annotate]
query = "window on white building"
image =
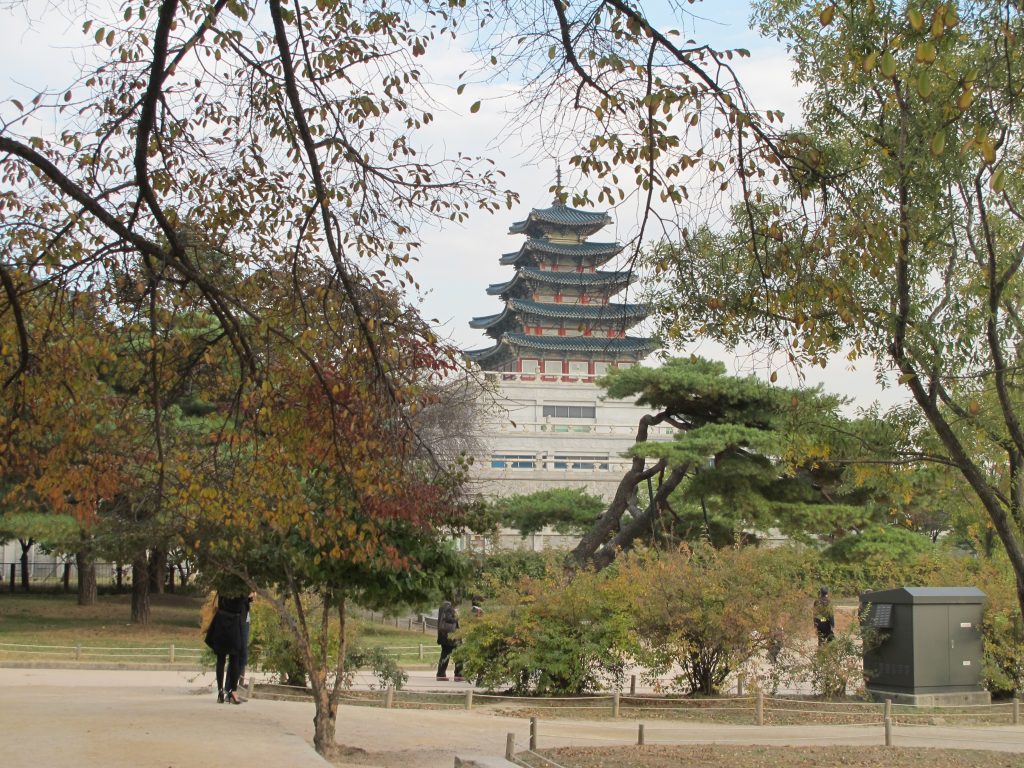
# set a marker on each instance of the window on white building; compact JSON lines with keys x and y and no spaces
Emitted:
{"x":578,"y":368}
{"x":552,"y":367}
{"x":530,"y":366}
{"x":600,"y":369}
{"x":580,"y":462}
{"x":513,"y":461}
{"x":570,"y":411}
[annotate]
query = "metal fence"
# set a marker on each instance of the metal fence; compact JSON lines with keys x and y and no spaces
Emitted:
{"x":172,"y":654}
{"x":45,"y":576}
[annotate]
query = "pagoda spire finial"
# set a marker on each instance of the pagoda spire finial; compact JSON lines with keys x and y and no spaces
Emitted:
{"x":558,"y":183}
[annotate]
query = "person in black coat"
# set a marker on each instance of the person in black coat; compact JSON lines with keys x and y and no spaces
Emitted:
{"x":447,"y":622}
{"x":225,"y":638}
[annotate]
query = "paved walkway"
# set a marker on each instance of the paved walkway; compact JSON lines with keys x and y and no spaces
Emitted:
{"x":148,"y":719}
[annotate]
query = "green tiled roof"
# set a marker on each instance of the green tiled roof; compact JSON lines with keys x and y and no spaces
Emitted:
{"x":507,"y":347}
{"x":486,"y":321}
{"x":628,"y":345}
{"x":537,"y":245}
{"x":610,"y":312}
{"x":606,"y":313}
{"x":572,"y":279}
{"x":561,"y":215}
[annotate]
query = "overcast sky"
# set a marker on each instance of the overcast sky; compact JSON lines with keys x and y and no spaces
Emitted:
{"x":459,"y":262}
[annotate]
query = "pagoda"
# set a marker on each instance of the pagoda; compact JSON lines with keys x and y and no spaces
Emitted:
{"x":559,"y":322}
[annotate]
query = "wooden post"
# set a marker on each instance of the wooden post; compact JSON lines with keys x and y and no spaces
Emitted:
{"x":615,"y":704}
{"x":410,"y":624}
{"x":421,"y":651}
{"x":887,"y":712}
{"x":251,"y":684}
{"x":172,"y":653}
{"x":759,"y":708}
{"x":640,"y":735}
{"x":1016,"y":711}
{"x":389,"y":698}
{"x":533,"y":734}
{"x":510,"y":746}
{"x":469,"y":699}
{"x":423,"y":624}
{"x":632,"y":685}
{"x":888,"y":732}
{"x":739,"y":684}
{"x":13,"y":575}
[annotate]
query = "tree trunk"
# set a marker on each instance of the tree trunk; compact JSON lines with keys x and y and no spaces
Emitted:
{"x":119,"y":577}
{"x":157,"y":570}
{"x":140,"y":588}
{"x":324,"y":721}
{"x":26,"y":545}
{"x":86,"y":577}
{"x":66,"y":578}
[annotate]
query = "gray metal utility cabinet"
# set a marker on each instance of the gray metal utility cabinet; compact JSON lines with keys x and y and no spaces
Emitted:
{"x":928,"y":645}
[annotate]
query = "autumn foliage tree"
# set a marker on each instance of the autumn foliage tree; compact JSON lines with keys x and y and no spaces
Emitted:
{"x":900,"y":235}
{"x":324,"y":492}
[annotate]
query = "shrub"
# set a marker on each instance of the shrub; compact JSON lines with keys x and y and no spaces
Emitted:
{"x":272,"y":648}
{"x":831,"y":668}
{"x":885,"y":542}
{"x":548,"y":636}
{"x":708,"y":612}
{"x":495,"y":572}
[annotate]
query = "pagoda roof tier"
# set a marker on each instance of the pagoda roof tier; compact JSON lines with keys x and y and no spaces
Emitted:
{"x":537,"y":247}
{"x":634,"y":313}
{"x":628,"y":346}
{"x":560,"y":216}
{"x":625,"y":315}
{"x":580,"y":280}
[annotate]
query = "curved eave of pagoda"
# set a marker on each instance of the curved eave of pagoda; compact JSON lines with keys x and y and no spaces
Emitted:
{"x":622,"y":314}
{"x":628,"y":346}
{"x":496,"y":325}
{"x":535,"y":249}
{"x":616,"y":281}
{"x":490,"y":356}
{"x":560,"y":216}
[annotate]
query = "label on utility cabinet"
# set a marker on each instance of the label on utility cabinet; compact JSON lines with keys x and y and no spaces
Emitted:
{"x":965,"y":624}
{"x":967,"y":663}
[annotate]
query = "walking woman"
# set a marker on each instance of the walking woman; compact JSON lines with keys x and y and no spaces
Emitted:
{"x":225,"y":638}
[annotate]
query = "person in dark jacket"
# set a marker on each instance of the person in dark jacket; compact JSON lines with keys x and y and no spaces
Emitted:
{"x":225,"y":639}
{"x":447,"y":622}
{"x":824,"y":617}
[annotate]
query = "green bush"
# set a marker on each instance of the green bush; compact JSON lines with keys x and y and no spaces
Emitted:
{"x":884,"y":542}
{"x":548,"y":636}
{"x":272,"y":648}
{"x":495,"y":572}
{"x":708,"y":612}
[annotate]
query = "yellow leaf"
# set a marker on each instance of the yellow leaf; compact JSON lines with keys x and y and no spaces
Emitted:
{"x":827,"y":15}
{"x":888,"y":64}
{"x":916,"y":19}
{"x":925,"y":53}
{"x":988,"y":151}
{"x":965,"y":99}
{"x":924,"y":84}
{"x":938,"y":144}
{"x":998,"y":181}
